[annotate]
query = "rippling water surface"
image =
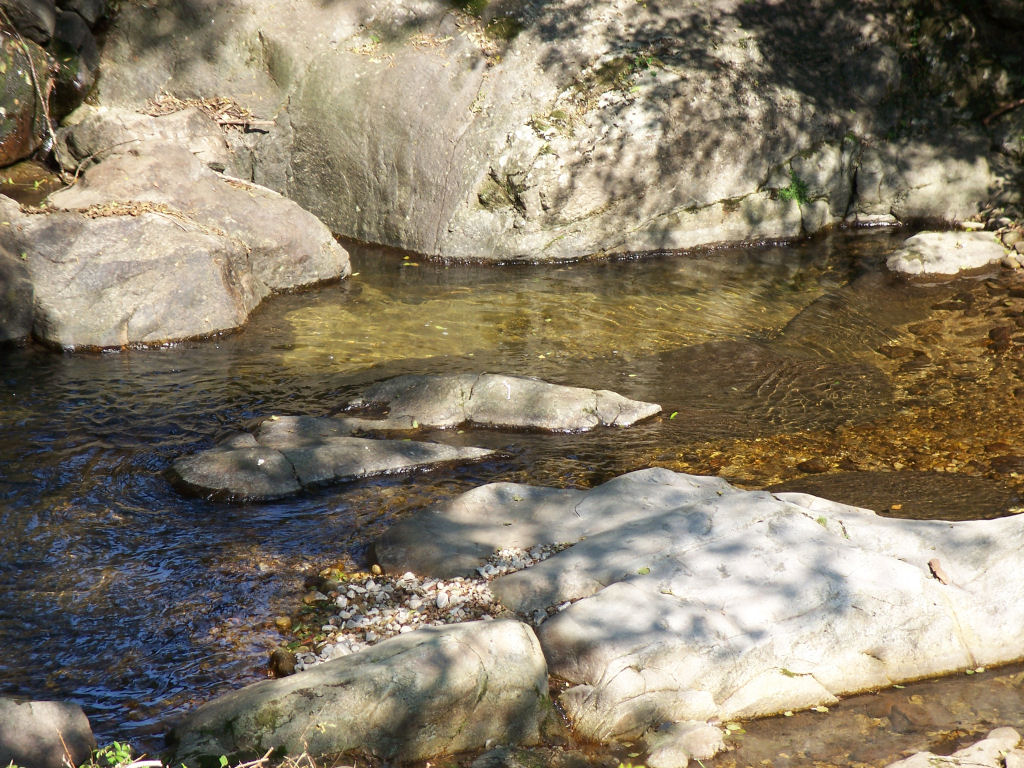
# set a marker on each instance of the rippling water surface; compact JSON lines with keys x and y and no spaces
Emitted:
{"x":120,"y":594}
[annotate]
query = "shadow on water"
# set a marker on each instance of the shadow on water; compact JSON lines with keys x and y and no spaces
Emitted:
{"x":137,"y":602}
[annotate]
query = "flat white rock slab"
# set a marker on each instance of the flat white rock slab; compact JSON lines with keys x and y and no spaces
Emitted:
{"x":683,"y":598}
{"x":945,"y":253}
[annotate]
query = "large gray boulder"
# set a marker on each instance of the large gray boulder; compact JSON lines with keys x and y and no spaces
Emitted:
{"x":555,"y":130}
{"x":151,"y":245}
{"x":435,"y":691}
{"x":43,"y":734}
{"x":292,"y":453}
{"x":682,"y":598}
{"x":496,"y":400}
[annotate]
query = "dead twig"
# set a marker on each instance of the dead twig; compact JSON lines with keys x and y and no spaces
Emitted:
{"x":1003,"y":110}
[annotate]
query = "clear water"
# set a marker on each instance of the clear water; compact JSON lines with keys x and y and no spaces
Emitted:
{"x":120,"y":594}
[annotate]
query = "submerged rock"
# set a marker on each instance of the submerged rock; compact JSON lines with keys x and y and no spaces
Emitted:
{"x":914,"y":495}
{"x":281,"y":461}
{"x":946,"y":253}
{"x":435,"y":691}
{"x":746,"y":388}
{"x":683,"y":598}
{"x":494,"y":400}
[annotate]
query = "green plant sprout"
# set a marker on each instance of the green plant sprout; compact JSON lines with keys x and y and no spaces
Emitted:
{"x":797,"y":189}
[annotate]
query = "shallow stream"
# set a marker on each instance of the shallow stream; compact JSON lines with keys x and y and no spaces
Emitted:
{"x":773,"y":365}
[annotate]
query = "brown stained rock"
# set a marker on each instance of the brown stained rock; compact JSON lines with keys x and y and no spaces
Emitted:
{"x":24,"y":125}
{"x":812,"y":466}
{"x":281,"y":663}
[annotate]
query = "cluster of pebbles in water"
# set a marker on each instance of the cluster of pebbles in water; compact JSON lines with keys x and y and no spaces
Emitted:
{"x":369,"y":608}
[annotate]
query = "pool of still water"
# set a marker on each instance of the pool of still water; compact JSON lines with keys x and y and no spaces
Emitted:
{"x":120,"y":594}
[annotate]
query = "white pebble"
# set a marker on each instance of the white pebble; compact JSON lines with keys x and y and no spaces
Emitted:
{"x":442,"y":600}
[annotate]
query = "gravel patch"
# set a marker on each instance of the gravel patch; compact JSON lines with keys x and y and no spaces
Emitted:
{"x":365,"y":609}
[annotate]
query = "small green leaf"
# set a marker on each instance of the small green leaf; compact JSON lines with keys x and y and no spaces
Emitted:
{"x":673,"y":414}
{"x":644,"y":571}
{"x":223,"y":761}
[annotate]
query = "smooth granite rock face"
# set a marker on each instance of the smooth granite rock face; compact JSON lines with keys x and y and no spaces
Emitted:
{"x":558,"y":130}
{"x":683,"y":598}
{"x":500,"y":401}
{"x":945,"y":253}
{"x":435,"y":691}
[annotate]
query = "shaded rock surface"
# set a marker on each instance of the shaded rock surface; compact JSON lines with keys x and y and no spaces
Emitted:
{"x":945,"y":253}
{"x":554,"y":130}
{"x":151,"y":245}
{"x":500,"y":401}
{"x":15,"y":299}
{"x":683,"y":598}
{"x":430,"y":692}
{"x":42,"y":734}
{"x":291,"y":453}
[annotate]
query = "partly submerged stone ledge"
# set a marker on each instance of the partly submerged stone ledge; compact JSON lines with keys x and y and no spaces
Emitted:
{"x":684,"y":598}
{"x":495,"y":400}
{"x":680,"y":599}
{"x":244,"y":468}
{"x":290,"y":453}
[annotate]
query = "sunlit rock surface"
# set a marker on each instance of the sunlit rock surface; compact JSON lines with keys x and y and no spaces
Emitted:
{"x":946,"y":253}
{"x":499,"y":401}
{"x":683,"y":598}
{"x":150,"y":245}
